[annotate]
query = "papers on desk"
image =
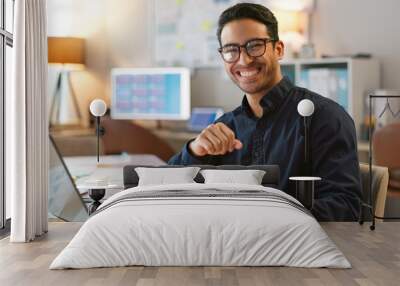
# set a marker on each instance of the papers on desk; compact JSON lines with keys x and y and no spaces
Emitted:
{"x":328,"y":82}
{"x":104,"y":178}
{"x":87,"y":173}
{"x":84,"y":184}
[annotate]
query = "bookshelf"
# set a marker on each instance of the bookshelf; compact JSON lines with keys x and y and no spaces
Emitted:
{"x":344,"y":80}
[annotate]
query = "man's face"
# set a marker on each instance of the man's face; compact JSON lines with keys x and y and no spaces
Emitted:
{"x":253,"y":75}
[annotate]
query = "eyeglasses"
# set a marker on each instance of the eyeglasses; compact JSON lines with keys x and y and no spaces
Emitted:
{"x":254,"y":48}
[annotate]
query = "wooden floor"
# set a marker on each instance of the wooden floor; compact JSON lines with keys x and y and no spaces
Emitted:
{"x":375,"y":257}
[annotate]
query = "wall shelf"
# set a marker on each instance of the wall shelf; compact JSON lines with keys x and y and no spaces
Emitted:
{"x":344,"y":80}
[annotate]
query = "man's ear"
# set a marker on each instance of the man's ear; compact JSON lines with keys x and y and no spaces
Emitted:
{"x":279,"y":49}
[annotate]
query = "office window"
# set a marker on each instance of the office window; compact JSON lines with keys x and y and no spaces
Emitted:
{"x":6,"y":43}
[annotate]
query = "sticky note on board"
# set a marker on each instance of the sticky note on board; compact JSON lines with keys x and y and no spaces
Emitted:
{"x":179,"y":45}
{"x":206,"y":26}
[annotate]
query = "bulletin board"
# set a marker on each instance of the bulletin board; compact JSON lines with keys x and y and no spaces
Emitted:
{"x":185,"y":32}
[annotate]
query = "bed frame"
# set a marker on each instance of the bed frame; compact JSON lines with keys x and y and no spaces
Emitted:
{"x":270,"y":179}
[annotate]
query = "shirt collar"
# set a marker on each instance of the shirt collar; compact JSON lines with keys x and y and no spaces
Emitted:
{"x":272,"y":100}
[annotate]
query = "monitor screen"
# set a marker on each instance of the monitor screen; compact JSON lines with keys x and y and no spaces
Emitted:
{"x":150,"y":93}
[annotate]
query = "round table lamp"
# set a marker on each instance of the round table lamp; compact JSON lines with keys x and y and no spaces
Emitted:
{"x":305,"y":183}
{"x":306,"y":108}
{"x":98,"y":108}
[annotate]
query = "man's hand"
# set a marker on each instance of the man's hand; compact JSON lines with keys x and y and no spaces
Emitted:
{"x":216,"y":139}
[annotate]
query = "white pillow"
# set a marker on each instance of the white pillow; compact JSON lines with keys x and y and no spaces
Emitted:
{"x":249,"y":177}
{"x":164,"y":176}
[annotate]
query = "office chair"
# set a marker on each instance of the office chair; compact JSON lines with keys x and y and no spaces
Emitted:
{"x":386,"y":146}
{"x":380,"y":178}
{"x":126,"y":136}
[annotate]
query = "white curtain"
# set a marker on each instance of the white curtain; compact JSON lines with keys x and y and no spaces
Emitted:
{"x":27,"y":123}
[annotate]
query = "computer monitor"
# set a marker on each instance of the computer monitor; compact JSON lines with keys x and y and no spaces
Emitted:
{"x":150,"y":93}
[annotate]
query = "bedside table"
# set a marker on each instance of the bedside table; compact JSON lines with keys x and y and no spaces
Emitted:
{"x":94,"y":191}
{"x":104,"y":179}
{"x":305,"y":190}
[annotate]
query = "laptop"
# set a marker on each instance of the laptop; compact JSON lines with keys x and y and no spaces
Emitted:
{"x":65,"y":201}
{"x":201,"y":117}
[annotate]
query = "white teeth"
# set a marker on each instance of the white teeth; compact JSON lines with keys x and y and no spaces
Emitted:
{"x":248,"y":73}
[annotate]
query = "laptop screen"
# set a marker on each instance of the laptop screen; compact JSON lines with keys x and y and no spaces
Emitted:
{"x":65,"y":201}
{"x":201,"y":117}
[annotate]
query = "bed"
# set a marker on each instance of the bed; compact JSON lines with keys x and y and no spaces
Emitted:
{"x":201,"y":224}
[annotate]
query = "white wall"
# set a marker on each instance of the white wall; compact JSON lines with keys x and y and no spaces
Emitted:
{"x":82,"y":18}
{"x":368,"y":26}
{"x":119,"y":34}
{"x":130,"y":34}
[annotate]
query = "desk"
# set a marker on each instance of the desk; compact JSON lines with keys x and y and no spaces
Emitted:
{"x":374,"y":255}
{"x":86,"y":170}
{"x":176,"y":139}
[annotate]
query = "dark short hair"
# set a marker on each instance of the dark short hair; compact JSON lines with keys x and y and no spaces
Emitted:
{"x":252,"y":11}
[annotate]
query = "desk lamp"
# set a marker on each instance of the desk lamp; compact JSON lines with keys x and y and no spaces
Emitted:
{"x":98,"y":108}
{"x":305,"y":183}
{"x":69,"y":53}
{"x":306,"y":108}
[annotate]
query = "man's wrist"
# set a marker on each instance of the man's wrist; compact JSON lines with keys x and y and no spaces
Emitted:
{"x":190,"y":150}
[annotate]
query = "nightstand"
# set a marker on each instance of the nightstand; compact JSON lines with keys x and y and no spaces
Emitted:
{"x":95,"y":190}
{"x":305,"y":190}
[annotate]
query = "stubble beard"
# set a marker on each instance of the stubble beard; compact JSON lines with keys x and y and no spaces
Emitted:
{"x":265,"y":84}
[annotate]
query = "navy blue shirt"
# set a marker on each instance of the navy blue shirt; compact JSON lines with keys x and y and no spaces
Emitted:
{"x":278,"y":138}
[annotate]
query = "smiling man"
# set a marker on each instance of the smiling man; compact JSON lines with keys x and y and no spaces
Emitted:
{"x":266,"y":128}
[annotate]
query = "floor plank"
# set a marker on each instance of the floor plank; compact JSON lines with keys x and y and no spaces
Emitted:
{"x":375,"y":257}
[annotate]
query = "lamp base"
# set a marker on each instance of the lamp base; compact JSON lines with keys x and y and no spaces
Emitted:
{"x":96,"y":195}
{"x":305,"y":193}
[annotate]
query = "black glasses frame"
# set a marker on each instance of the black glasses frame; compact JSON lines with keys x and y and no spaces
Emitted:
{"x":245,"y":47}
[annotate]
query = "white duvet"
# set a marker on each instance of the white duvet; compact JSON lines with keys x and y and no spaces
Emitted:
{"x":190,"y":231}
